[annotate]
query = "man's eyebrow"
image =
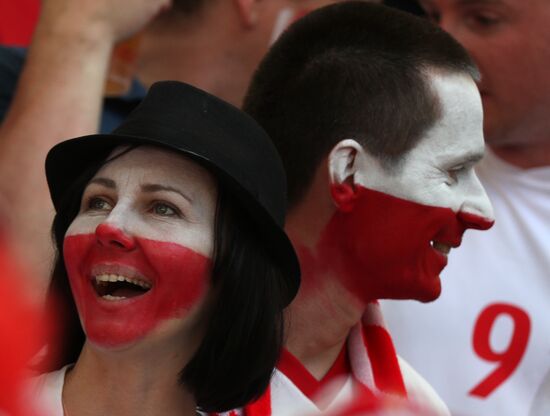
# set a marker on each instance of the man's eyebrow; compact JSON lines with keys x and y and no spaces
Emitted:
{"x":154,"y":187}
{"x":108,"y":183}
{"x":468,"y":158}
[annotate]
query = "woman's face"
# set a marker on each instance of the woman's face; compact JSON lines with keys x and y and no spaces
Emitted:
{"x":138,"y":254}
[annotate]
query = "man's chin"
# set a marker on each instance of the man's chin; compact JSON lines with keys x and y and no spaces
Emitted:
{"x":429,"y":294}
{"x":424,"y":293}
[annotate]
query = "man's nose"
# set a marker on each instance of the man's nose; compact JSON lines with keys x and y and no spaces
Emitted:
{"x":477,"y":211}
{"x":111,"y":235}
{"x":475,"y":221}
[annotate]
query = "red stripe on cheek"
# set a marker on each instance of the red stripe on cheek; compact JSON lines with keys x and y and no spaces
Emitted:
{"x":179,"y":278}
{"x":380,"y":248}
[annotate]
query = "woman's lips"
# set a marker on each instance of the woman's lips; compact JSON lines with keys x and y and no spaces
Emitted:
{"x":178,"y":277}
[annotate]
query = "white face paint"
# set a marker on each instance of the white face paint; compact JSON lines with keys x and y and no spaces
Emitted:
{"x":138,"y":253}
{"x":398,"y":225}
{"x":154,"y":194}
{"x":439,"y":170}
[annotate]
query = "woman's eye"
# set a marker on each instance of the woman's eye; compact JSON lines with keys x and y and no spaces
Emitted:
{"x":98,"y":204}
{"x":164,"y":210}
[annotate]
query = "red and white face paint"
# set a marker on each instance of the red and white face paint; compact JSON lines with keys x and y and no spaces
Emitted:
{"x":394,"y":228}
{"x":138,"y":253}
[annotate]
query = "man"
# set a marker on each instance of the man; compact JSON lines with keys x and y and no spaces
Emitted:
{"x":214,"y":44}
{"x":379,"y":124}
{"x":494,"y":315}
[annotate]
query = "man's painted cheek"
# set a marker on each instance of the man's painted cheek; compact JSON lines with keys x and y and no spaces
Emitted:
{"x":174,"y":278}
{"x":381,"y":246}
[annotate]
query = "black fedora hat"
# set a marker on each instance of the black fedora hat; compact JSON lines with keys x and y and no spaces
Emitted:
{"x":217,"y":135}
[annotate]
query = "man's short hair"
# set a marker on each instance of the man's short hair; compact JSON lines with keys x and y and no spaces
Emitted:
{"x":351,"y":70}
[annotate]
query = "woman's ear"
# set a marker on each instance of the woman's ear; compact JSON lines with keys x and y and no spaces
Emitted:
{"x":343,"y":164}
{"x":248,"y":12}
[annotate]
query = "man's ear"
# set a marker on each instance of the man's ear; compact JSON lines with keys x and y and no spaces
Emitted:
{"x":343,"y":164}
{"x":248,"y":12}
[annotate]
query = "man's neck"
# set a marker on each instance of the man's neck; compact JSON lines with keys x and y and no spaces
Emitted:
{"x":319,"y":322}
{"x":324,"y":311}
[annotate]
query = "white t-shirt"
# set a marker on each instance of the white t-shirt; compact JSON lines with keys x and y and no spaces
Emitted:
{"x":44,"y":392}
{"x":285,"y":397}
{"x":485,"y":343}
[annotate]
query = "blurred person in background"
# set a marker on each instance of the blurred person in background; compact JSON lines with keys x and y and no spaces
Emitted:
{"x":493,"y":318}
{"x":17,"y":21}
{"x":24,"y":330}
{"x":213,"y":44}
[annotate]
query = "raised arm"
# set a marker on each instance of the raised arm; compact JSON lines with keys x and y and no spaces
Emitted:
{"x":59,"y":95}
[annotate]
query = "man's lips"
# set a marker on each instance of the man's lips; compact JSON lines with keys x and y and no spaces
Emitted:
{"x":441,"y":247}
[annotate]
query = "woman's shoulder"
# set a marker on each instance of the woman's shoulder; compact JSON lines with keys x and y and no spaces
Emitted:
{"x":44,"y":392}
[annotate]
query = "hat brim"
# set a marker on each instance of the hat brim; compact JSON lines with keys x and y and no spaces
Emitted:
{"x":68,"y":160}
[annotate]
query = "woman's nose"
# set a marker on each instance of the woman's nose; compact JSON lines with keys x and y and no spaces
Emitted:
{"x":109,"y":235}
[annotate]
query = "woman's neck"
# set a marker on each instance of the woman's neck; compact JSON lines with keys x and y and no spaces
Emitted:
{"x":126,"y":383}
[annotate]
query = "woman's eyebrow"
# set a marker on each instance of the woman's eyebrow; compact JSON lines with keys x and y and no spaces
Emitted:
{"x":108,"y":183}
{"x":153,"y":187}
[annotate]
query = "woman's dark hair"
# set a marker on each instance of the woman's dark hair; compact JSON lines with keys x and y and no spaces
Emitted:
{"x":244,"y":332}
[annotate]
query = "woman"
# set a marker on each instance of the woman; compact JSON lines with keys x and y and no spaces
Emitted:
{"x":171,"y":248}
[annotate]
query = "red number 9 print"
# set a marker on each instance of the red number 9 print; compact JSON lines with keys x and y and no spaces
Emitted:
{"x":508,"y":359}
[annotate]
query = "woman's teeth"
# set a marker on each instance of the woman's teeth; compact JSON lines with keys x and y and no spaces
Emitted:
{"x":111,"y":297}
{"x":116,"y":287}
{"x":117,"y":278}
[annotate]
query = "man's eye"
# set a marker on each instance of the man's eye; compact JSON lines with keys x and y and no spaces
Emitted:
{"x":164,"y":210}
{"x":98,"y":204}
{"x":482,"y":20}
{"x":454,"y":173}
